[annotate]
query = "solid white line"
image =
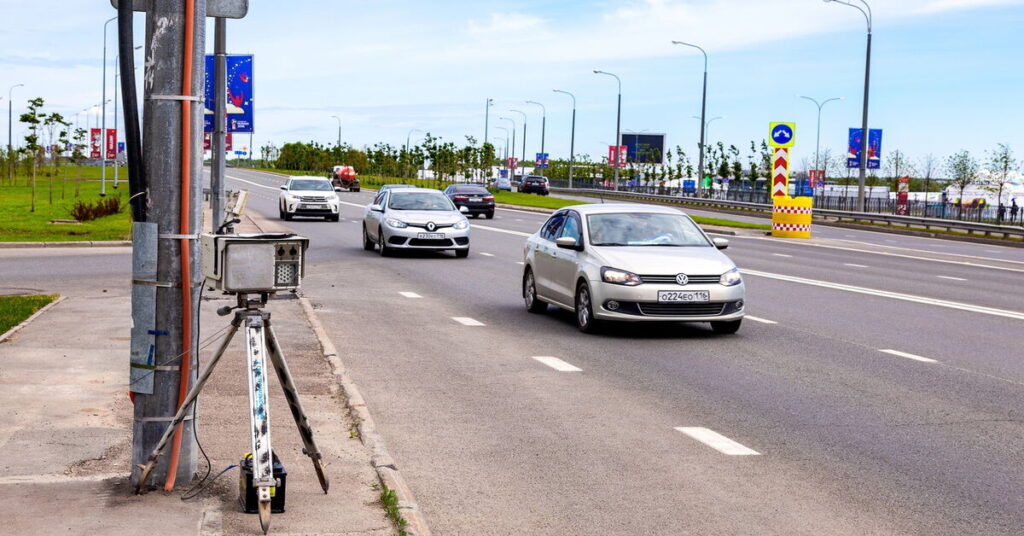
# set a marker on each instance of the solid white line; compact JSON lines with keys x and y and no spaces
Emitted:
{"x":717,"y":441}
{"x":497,"y":230}
{"x":855,"y":265}
{"x":410,"y":295}
{"x":909,"y":356}
{"x":520,"y":263}
{"x":951,"y":278}
{"x":465,"y":321}
{"x":781,"y":255}
{"x":487,"y":254}
{"x":253,"y":183}
{"x":557,"y":364}
{"x":761,"y":320}
{"x":887,"y":294}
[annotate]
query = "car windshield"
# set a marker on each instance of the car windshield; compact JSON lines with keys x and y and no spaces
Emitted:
{"x":315,"y":185}
{"x":475,"y":190}
{"x":644,"y":229}
{"x":419,"y":201}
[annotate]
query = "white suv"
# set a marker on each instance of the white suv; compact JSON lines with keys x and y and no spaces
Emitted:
{"x":309,"y":196}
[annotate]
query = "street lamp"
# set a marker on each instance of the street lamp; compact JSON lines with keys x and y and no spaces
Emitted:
{"x":572,"y":135}
{"x":487,"y":117}
{"x":506,"y":139}
{"x":618,"y":126}
{"x":707,"y":125}
{"x":339,"y":129}
{"x":543,"y":126}
{"x":513,"y":153}
{"x":523,"y":159}
{"x":10,"y":124}
{"x":703,"y":106}
{"x":817,"y":144}
{"x":866,"y":11}
{"x":407,"y":137}
{"x":103,"y":118}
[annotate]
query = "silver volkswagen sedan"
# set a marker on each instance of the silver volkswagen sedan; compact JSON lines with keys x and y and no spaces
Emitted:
{"x":415,"y":218}
{"x":627,"y":262}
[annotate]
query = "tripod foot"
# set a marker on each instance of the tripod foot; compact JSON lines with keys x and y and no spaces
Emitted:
{"x":264,"y":510}
{"x":320,"y":475}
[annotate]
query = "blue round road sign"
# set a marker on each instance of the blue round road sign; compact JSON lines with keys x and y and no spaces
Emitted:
{"x":782,"y":134}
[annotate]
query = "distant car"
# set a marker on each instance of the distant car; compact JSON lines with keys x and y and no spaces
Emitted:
{"x":415,"y":218}
{"x":344,"y":177}
{"x":475,"y":198}
{"x":502,"y":183}
{"x":631,"y":263}
{"x":387,"y":187}
{"x":309,"y":196}
{"x":534,"y":184}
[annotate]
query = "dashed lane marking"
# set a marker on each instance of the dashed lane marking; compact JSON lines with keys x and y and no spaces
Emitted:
{"x":909,"y":356}
{"x":717,"y":441}
{"x":410,"y":295}
{"x":499,"y":230}
{"x":782,"y":255}
{"x":557,"y":364}
{"x":466,"y":321}
{"x":852,"y":265}
{"x":487,"y":254}
{"x":951,"y":278}
{"x":761,"y":320}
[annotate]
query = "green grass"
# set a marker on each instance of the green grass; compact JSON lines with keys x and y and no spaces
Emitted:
{"x":730,"y":223}
{"x":15,"y":309}
{"x":534,"y":200}
{"x":19,"y":224}
{"x":390,"y":502}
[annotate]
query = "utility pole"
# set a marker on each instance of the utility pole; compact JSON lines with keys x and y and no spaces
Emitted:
{"x":487,"y":117}
{"x":572,"y":135}
{"x":175,"y":34}
{"x":220,"y":122}
{"x":618,"y":126}
{"x":523,"y":159}
{"x":703,"y":110}
{"x":543,"y":127}
{"x":103,"y":119}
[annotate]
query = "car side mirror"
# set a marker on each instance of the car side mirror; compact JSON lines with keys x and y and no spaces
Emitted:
{"x":567,"y":242}
{"x":464,"y":209}
{"x":283,"y":187}
{"x":337,"y":188}
{"x":720,"y":243}
{"x":376,"y":208}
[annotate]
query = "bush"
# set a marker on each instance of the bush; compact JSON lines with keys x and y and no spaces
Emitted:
{"x":85,"y":211}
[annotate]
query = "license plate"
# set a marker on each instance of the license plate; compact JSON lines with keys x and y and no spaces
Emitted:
{"x":430,"y":236}
{"x":314,"y":206}
{"x":677,"y":296}
{"x":475,"y":199}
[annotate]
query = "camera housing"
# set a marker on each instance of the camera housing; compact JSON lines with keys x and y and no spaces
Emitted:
{"x":254,"y":263}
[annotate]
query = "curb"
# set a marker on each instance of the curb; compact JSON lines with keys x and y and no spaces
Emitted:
{"x":80,"y":244}
{"x":10,"y":333}
{"x":383,"y":464}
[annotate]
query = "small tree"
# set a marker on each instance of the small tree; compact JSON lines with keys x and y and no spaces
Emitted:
{"x":78,"y":141}
{"x":929,"y":165}
{"x":1000,"y":163}
{"x":33,"y":118}
{"x":963,"y":172}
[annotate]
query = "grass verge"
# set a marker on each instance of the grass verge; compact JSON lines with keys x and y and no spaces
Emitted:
{"x":19,"y":224}
{"x":389,"y":499}
{"x":15,"y":309}
{"x":702,"y":220}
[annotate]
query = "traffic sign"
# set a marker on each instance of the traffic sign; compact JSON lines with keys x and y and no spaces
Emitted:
{"x":782,"y":134}
{"x":780,"y":172}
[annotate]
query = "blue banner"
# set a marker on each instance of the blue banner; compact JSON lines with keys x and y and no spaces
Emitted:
{"x":874,"y":148}
{"x":239,"y":97}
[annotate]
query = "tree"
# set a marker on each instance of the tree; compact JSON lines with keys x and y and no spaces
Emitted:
{"x":56,"y":130}
{"x":33,"y":118}
{"x":963,"y":171}
{"x":1000,"y":163}
{"x":929,"y":165}
{"x":78,"y":141}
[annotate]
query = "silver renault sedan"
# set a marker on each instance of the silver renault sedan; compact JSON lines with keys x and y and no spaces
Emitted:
{"x":632,"y":263}
{"x":415,"y":218}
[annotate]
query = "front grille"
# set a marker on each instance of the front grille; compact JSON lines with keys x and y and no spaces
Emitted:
{"x":681,"y":309}
{"x":424,"y":225}
{"x":462,"y":240}
{"x":671,"y":279}
{"x":430,"y":243}
{"x":312,"y":199}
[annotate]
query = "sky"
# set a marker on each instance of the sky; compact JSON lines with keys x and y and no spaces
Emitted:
{"x":947,"y":75}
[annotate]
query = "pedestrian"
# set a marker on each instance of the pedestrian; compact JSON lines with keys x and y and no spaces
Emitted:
{"x":1000,"y":213}
{"x":1013,"y":210}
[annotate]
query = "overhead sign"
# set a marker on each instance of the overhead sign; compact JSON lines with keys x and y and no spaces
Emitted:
{"x":239,"y":104}
{"x":874,"y":148}
{"x":780,"y":172}
{"x":542,"y":160}
{"x":617,"y":156}
{"x":782,"y":134}
{"x":644,"y":148}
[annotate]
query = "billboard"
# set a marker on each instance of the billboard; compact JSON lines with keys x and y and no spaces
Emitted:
{"x":239,"y":96}
{"x":644,"y":148}
{"x":874,"y":148}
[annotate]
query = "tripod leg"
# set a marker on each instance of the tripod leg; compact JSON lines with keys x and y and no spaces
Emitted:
{"x":183,"y":410}
{"x":284,"y":377}
{"x":259,"y":415}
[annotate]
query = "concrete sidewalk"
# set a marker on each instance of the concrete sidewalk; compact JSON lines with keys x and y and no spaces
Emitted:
{"x":66,"y":432}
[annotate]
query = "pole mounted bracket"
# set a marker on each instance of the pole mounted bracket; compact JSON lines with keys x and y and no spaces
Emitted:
{"x":228,"y":9}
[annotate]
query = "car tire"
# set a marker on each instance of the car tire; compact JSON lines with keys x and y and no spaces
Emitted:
{"x":490,"y":215}
{"x":368,"y":244}
{"x":354,"y":190}
{"x":336,"y":217}
{"x":385,"y":251}
{"x":461,"y":253}
{"x":533,"y":303}
{"x":287,"y":217}
{"x":280,"y":213}
{"x":726,"y":328}
{"x":584,"y":309}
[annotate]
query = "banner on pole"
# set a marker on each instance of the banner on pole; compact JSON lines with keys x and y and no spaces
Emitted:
{"x":239,"y":93}
{"x":111,"y":143}
{"x":874,"y":148}
{"x":94,"y":143}
{"x":617,"y":156}
{"x":542,"y":161}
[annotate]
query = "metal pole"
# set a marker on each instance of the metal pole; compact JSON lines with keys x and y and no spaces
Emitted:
{"x":10,"y":124}
{"x":864,"y":129}
{"x":218,"y":145}
{"x":703,"y":110}
{"x":543,"y":127}
{"x":117,"y":74}
{"x":523,"y":159}
{"x":103,"y":118}
{"x":618,"y":126}
{"x":339,"y":130}
{"x":572,"y":135}
{"x":487,"y":117}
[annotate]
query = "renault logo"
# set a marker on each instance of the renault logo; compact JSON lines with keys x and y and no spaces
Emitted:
{"x":682,"y":279}
{"x":431,"y":226}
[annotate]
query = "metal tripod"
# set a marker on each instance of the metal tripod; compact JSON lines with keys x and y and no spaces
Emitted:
{"x":260,"y":341}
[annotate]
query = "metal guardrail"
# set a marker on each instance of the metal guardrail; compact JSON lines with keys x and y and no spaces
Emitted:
{"x":971,"y":228}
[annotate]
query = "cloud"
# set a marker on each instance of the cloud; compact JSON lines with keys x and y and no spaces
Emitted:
{"x":498,"y":23}
{"x":938,"y":6}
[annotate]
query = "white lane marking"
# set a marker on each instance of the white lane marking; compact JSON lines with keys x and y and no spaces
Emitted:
{"x":352,"y":204}
{"x":909,"y":356}
{"x":717,"y":441}
{"x":557,"y":364}
{"x":1016,"y":315}
{"x":519,"y":219}
{"x":520,"y":263}
{"x":782,"y":255}
{"x":850,"y":236}
{"x":992,"y":251}
{"x":855,"y":265}
{"x":951,"y":278}
{"x":253,"y":183}
{"x":761,"y":320}
{"x":497,"y":230}
{"x":410,"y":295}
{"x":487,"y":254}
{"x":466,"y":321}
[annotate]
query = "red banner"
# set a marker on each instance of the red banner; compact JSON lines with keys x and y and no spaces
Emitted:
{"x":617,"y":156}
{"x":512,"y":163}
{"x":111,"y":143}
{"x":94,"y":143}
{"x":208,"y":144}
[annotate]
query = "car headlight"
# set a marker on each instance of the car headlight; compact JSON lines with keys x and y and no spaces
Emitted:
{"x":619,"y":277}
{"x":464,"y":224}
{"x":332,"y":198}
{"x":731,"y":278}
{"x":397,"y":224}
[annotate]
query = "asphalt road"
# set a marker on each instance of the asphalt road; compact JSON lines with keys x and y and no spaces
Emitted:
{"x":877,"y":388}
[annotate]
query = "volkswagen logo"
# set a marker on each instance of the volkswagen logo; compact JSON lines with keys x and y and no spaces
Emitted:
{"x":682,"y":279}
{"x":431,"y":226}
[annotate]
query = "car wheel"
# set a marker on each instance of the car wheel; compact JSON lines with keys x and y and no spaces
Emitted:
{"x":355,"y":190}
{"x":726,"y":328}
{"x":585,"y":310}
{"x":461,"y":253}
{"x":385,"y":251}
{"x":336,"y":217}
{"x":490,"y":215}
{"x":288,"y":217}
{"x":533,"y":304}
{"x":280,"y":213}
{"x":367,"y":243}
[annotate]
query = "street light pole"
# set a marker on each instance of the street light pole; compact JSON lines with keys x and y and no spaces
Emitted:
{"x":817,"y":143}
{"x":487,"y":118}
{"x":10,"y":124}
{"x":506,"y":140}
{"x":513,"y":153}
{"x":618,"y":126}
{"x":408,"y":137}
{"x":867,"y":88}
{"x":339,"y":130}
{"x":523,"y":159}
{"x":572,"y":135}
{"x":703,"y":107}
{"x":543,"y":127}
{"x":103,"y":118}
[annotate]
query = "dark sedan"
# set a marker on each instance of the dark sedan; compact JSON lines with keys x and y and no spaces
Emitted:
{"x":534,"y":184}
{"x":475,"y":198}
